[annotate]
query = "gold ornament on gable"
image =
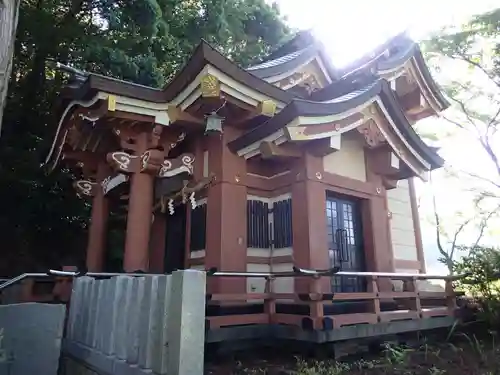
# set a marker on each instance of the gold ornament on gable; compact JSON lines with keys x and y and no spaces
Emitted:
{"x":210,"y":86}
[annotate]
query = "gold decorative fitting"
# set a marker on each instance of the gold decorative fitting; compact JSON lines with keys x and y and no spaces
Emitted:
{"x":378,"y":190}
{"x":210,"y":86}
{"x":111,"y":103}
{"x":319,"y":176}
{"x":237,"y":178}
{"x":268,"y":108}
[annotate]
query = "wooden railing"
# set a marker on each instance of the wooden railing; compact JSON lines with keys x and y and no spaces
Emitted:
{"x":378,"y":304}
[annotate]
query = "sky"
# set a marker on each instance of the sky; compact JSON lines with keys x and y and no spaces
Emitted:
{"x":351,"y":28}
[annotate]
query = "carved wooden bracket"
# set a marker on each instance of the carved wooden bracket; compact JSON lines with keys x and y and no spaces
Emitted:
{"x":121,"y":161}
{"x":85,"y":187}
{"x":111,"y":182}
{"x":172,"y":167}
{"x":152,"y":162}
{"x":372,"y":134}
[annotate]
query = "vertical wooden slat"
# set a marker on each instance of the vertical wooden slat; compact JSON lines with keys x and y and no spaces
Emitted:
{"x":414,"y":303}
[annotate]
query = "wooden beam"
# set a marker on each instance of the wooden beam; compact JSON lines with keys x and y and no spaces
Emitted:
{"x":176,"y":114}
{"x":383,"y":161}
{"x":265,"y":110}
{"x":269,"y":150}
{"x":122,"y":115}
{"x":325,"y":146}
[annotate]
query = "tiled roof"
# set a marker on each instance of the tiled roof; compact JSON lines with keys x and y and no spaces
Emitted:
{"x":278,"y":61}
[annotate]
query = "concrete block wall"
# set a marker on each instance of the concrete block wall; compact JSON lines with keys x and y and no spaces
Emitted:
{"x":30,"y":338}
{"x":139,"y":325}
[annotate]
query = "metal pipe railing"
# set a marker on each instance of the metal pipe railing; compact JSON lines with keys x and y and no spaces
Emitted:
{"x":20,"y":278}
{"x":296,"y":272}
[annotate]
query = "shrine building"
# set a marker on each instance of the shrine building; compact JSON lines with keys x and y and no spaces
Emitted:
{"x":288,"y":162}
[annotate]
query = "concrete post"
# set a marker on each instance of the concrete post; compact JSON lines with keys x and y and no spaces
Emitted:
{"x":186,"y":323}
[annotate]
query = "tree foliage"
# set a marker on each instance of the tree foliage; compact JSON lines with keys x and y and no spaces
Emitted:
{"x":467,"y":59}
{"x":146,"y":42}
{"x":482,"y":267}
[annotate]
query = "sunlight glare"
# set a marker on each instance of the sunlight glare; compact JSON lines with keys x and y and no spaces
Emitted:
{"x":349,"y":29}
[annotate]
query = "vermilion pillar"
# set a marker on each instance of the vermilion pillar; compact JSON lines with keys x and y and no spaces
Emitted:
{"x":139,"y":219}
{"x":98,"y":224}
{"x":226,"y":239}
{"x":310,"y":244}
{"x":140,"y":206}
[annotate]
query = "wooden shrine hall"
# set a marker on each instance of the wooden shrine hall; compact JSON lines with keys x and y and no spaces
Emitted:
{"x":288,"y":162}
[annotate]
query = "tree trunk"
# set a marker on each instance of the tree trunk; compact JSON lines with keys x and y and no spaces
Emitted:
{"x":9,"y":13}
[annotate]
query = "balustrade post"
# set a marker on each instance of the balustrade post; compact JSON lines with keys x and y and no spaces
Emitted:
{"x":316,"y":304}
{"x":451,"y":299}
{"x":270,"y":301}
{"x":414,"y":302}
{"x":376,"y":300}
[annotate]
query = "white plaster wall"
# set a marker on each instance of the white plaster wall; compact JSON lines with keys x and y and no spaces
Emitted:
{"x":258,"y":252}
{"x":402,"y":229}
{"x":422,"y":285}
{"x":257,"y":284}
{"x":349,"y":161}
{"x":280,"y":284}
{"x":283,"y":284}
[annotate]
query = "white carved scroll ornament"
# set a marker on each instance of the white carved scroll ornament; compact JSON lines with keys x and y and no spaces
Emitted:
{"x":172,"y":167}
{"x":85,"y":187}
{"x":121,"y":160}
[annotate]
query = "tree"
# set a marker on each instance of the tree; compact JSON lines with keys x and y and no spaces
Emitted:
{"x":9,"y":11}
{"x":467,"y":59}
{"x":146,"y":42}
